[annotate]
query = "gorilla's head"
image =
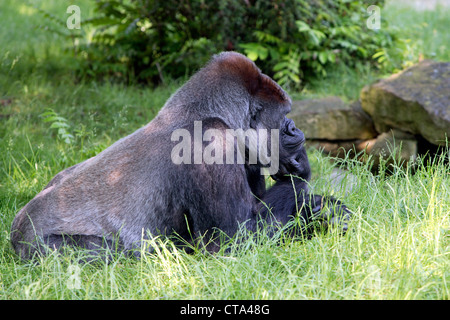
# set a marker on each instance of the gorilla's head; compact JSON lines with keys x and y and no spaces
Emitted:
{"x":234,"y":89}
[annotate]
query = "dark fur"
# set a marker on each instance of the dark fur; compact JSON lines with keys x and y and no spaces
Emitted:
{"x":132,"y":189}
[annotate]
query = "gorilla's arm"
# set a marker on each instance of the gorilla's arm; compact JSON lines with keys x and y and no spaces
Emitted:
{"x":255,"y":180}
{"x":289,"y":198}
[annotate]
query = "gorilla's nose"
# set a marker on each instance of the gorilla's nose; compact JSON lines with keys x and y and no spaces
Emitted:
{"x":289,"y":127}
{"x":291,"y":130}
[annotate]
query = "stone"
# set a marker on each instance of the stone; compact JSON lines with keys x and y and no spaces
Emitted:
{"x":338,"y":181}
{"x":416,"y":100}
{"x":394,"y":146}
{"x":331,"y":118}
{"x":342,"y":181}
{"x":340,"y":148}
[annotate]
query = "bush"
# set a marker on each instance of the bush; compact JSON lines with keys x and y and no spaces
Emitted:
{"x":151,"y":40}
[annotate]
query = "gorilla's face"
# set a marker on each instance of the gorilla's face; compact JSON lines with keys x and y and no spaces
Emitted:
{"x":270,"y":105}
{"x":293,"y":157}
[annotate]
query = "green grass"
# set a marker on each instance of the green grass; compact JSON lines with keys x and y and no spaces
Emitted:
{"x":398,"y":246}
{"x":423,"y":35}
{"x":425,"y":31}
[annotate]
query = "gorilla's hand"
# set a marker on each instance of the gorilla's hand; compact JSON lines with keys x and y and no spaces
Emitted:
{"x":293,"y":158}
{"x":329,"y":212}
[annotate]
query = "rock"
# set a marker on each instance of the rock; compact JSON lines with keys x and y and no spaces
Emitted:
{"x":338,"y":181}
{"x":341,"y":180}
{"x":416,"y":100}
{"x":331,"y":118}
{"x":394,"y":146}
{"x":340,"y":149}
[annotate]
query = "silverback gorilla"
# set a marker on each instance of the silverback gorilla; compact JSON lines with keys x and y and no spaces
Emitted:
{"x":134,"y":189}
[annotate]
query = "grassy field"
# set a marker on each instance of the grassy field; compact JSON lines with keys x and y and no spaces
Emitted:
{"x":398,"y":246}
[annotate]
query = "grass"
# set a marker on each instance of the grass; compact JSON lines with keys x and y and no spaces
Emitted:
{"x":398,"y":246}
{"x":422,"y":34}
{"x":398,"y":249}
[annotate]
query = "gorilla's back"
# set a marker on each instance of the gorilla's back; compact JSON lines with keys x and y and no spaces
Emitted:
{"x":78,"y":199}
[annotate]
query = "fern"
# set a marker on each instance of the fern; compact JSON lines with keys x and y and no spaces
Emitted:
{"x":287,"y":71}
{"x":60,"y":124}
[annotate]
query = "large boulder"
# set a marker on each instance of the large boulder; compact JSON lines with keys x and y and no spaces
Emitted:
{"x":416,"y":100}
{"x":331,"y":118}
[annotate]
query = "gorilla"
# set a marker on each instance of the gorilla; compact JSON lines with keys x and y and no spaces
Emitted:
{"x":146,"y":184}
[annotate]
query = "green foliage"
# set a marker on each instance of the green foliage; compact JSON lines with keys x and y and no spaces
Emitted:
{"x":397,"y":248}
{"x":59,"y":123}
{"x":153,"y":40}
{"x":418,"y":35}
{"x":315,"y":35}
